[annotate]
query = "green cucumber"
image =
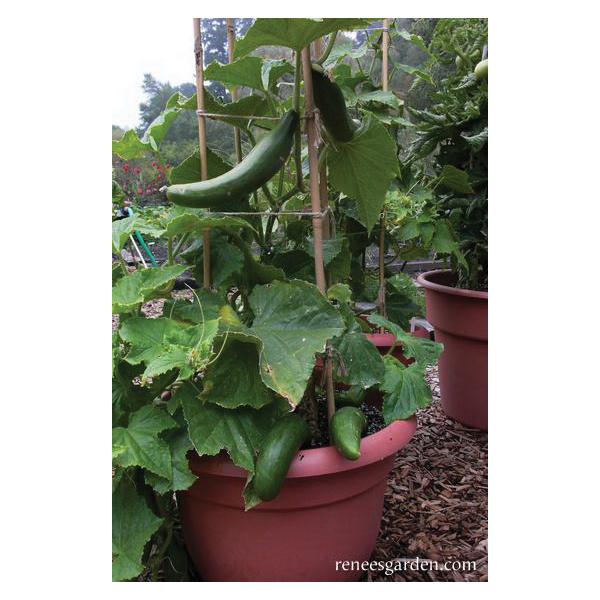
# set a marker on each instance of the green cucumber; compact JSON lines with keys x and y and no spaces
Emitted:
{"x":277,"y":450}
{"x":355,"y":396}
{"x":345,"y":429}
{"x":330,"y":101}
{"x":265,"y":159}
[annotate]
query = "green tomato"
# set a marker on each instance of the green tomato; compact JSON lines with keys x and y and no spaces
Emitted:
{"x":481,"y":70}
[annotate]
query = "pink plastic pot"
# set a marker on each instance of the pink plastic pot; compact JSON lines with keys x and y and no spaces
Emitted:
{"x":329,"y":509}
{"x":460,"y":319}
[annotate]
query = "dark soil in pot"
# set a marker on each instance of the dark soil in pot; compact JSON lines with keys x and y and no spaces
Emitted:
{"x":374,"y":422}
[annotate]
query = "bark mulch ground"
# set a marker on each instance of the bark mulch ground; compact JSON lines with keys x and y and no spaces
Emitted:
{"x":436,"y":503}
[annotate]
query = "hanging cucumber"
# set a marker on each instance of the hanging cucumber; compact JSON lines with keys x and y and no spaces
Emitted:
{"x":265,"y":159}
{"x":330,"y":101}
{"x":355,"y":396}
{"x":345,"y":429}
{"x":277,"y":450}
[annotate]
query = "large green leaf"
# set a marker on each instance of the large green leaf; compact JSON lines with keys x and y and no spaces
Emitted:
{"x":133,"y":523}
{"x":363,"y":169}
{"x":414,"y":71}
{"x":121,"y":230}
{"x":293,"y":321}
{"x":234,"y":378}
{"x":141,"y":285}
{"x":163,"y":345}
{"x":424,"y":351}
{"x":477,"y":141}
{"x":386,"y":98}
{"x":405,"y":390}
{"x":331,"y":248}
{"x":339,"y":267}
{"x":188,"y":221}
{"x":157,"y":130}
{"x":340,"y":292}
{"x":455,"y":179}
{"x":189,"y":170}
{"x":181,"y":477}
{"x":140,"y":437}
{"x":444,"y":241}
{"x":400,"y":308}
{"x":253,"y":105}
{"x":363,"y":363}
{"x":384,"y":117}
{"x":204,"y":306}
{"x":213,"y":428}
{"x":250,"y":71}
{"x":226,"y":259}
{"x":297,"y":264}
{"x":342,"y":50}
{"x":414,"y":39}
{"x":126,"y":396}
{"x":292,"y":33}
{"x":130,"y":146}
{"x":255,"y":273}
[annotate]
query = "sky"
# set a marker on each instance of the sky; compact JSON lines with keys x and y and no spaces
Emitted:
{"x":168,"y":55}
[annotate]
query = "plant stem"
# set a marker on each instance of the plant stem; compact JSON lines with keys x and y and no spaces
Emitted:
{"x":381,"y":298}
{"x":271,"y":103}
{"x":360,"y":67}
{"x":123,"y":263}
{"x":269,"y":196}
{"x":372,"y":63}
{"x":180,"y":243}
{"x":329,"y":383}
{"x":322,"y":157}
{"x":170,"y":251}
{"x":287,"y":195}
{"x":251,"y":138}
{"x":281,"y":178}
{"x":328,"y":49}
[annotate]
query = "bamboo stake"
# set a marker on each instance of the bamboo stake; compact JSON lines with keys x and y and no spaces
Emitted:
{"x":313,"y":170}
{"x":198,"y":54}
{"x":384,"y":81}
{"x":316,"y":207}
{"x":323,"y":185}
{"x":234,"y":92}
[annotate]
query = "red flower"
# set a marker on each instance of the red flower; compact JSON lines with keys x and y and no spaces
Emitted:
{"x":137,"y":171}
{"x":125,"y":168}
{"x":158,"y":176}
{"x":153,"y":163}
{"x":139,"y":190}
{"x":148,"y":191}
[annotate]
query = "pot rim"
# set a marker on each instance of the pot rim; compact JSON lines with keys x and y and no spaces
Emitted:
{"x":380,"y":337}
{"x":321,"y":461}
{"x":423,"y":281}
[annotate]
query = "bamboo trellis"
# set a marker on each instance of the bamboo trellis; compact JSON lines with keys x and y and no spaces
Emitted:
{"x":198,"y":54}
{"x":384,"y":81}
{"x":318,"y":185}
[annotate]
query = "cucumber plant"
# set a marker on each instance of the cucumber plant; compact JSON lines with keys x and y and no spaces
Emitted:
{"x":214,"y":373}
